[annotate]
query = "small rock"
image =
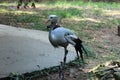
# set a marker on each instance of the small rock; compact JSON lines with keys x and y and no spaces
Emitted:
{"x":72,"y":73}
{"x":32,"y":24}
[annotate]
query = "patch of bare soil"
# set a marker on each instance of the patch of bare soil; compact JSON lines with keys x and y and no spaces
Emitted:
{"x":107,"y":39}
{"x":70,"y":74}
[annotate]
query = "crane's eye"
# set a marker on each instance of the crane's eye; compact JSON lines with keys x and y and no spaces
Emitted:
{"x":68,"y":33}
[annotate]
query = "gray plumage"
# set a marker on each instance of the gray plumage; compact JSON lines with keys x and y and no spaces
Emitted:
{"x":62,"y":37}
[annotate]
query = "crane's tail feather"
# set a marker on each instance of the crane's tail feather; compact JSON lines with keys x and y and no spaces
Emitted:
{"x":80,"y":48}
{"x":84,"y":50}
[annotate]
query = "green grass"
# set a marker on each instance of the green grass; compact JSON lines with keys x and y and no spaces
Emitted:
{"x":84,"y":18}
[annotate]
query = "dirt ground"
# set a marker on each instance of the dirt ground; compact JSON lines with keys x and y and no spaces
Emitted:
{"x":70,"y":74}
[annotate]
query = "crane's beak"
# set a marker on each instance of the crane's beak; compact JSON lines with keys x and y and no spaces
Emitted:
{"x":48,"y":26}
{"x":47,"y":21}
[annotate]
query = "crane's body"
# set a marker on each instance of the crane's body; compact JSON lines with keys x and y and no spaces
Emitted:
{"x":59,"y":37}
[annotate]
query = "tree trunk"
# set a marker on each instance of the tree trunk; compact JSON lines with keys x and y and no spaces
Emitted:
{"x":118,"y":30}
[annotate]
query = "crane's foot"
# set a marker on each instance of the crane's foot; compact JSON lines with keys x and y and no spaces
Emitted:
{"x":61,"y":71}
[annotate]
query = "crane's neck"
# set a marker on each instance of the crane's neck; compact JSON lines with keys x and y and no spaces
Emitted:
{"x":53,"y":26}
{"x":53,"y":23}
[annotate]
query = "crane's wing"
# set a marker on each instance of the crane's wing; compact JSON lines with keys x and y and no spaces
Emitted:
{"x":70,"y":37}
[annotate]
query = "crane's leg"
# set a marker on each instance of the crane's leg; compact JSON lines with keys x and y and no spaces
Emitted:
{"x":61,"y":73}
{"x":66,"y":52}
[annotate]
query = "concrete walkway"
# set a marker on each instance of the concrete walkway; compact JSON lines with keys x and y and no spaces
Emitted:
{"x":24,"y":50}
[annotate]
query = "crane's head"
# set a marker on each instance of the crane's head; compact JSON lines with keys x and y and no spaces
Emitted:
{"x":53,"y":19}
